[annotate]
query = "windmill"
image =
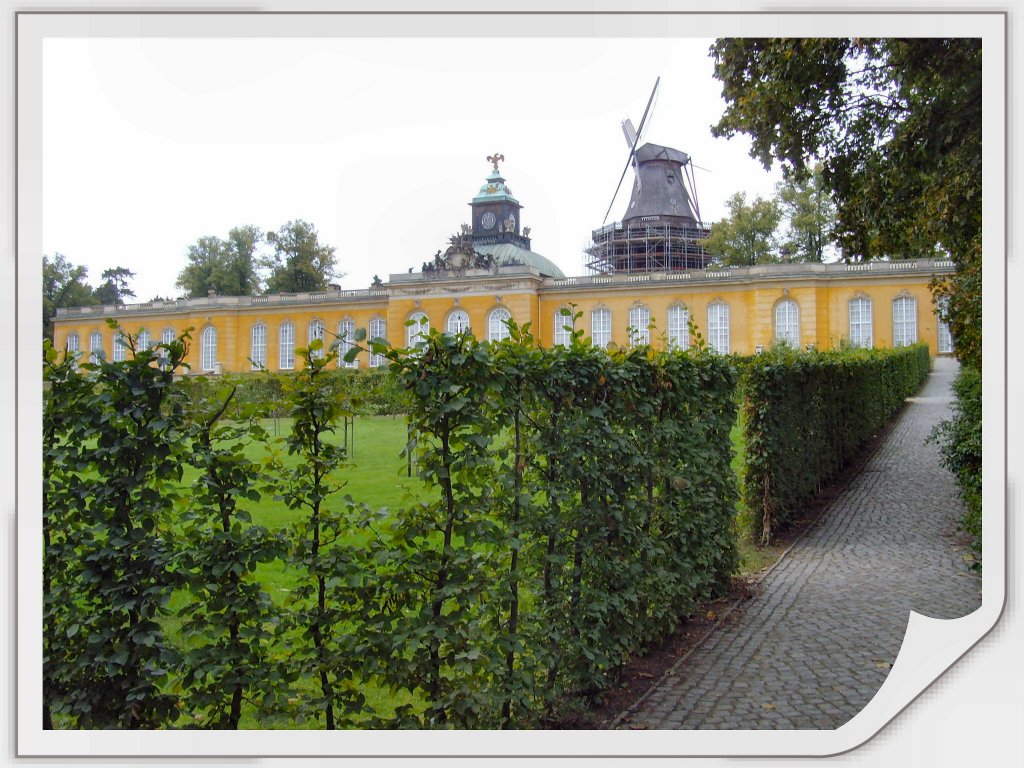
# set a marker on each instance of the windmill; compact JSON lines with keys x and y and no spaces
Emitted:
{"x":661,"y":227}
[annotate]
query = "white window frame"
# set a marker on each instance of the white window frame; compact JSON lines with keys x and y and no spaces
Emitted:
{"x":72,"y":343}
{"x":346,"y":340}
{"x":314,"y":331}
{"x":601,"y":327}
{"x":258,"y":346}
{"x":96,"y":352}
{"x":904,"y":321}
{"x":458,"y":321}
{"x":286,"y":346}
{"x":944,"y":343}
{"x":497,"y":330}
{"x":120,"y":347}
{"x":718,"y":327}
{"x":678,"y":327}
{"x":144,"y":340}
{"x":860,"y":322}
{"x":416,"y":333}
{"x":167,"y":336}
{"x":208,"y":349}
{"x":378,"y":329}
{"x":787,"y":323}
{"x":562,"y":335}
{"x":639,"y":325}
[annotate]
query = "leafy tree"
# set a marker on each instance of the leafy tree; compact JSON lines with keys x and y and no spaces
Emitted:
{"x":896,"y":126}
{"x":114,"y":288}
{"x":299,"y":262}
{"x":64,"y":285}
{"x":810,"y":213}
{"x":747,"y":236}
{"x":227,"y":266}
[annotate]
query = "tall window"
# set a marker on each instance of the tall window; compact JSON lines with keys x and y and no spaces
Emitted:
{"x":563,"y":329}
{"x":601,"y":327}
{"x":315,"y":331}
{"x":639,"y":325}
{"x":120,"y":347}
{"x":286,"y":346}
{"x":258,"y":347}
{"x":378,"y":330}
{"x":678,"y":327}
{"x":787,"y":323}
{"x":145,"y":340}
{"x":208,"y":345}
{"x":416,"y":333}
{"x":346,"y":340}
{"x":718,"y":327}
{"x":72,"y":343}
{"x":860,"y":322}
{"x":497,"y":328}
{"x":945,"y":337}
{"x":458,"y":321}
{"x":167,"y":336}
{"x":904,"y":321}
{"x":96,"y":347}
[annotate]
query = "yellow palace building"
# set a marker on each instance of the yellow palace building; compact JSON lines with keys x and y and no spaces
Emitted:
{"x":650,"y":278}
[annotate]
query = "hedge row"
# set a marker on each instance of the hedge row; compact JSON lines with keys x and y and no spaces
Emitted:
{"x":806,"y":414}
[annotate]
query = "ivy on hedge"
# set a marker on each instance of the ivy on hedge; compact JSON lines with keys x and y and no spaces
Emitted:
{"x":806,"y":414}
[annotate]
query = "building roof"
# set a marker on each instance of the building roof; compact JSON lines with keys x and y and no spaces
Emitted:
{"x":494,"y":190}
{"x":509,"y":254}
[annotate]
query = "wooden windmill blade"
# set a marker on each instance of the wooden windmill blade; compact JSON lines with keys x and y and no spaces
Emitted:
{"x":632,"y":149}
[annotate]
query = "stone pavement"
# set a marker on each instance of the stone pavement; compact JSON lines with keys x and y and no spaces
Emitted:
{"x":816,"y":645}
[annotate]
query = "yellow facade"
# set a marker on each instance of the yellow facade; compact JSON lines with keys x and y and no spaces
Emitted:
{"x":892,"y":298}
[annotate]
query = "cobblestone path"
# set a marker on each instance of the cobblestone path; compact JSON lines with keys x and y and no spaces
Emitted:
{"x":816,"y":645}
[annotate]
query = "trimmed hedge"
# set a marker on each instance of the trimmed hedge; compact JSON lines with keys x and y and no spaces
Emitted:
{"x":807,"y":414}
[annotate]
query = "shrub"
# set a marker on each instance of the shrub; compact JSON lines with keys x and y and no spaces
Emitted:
{"x":960,"y":445}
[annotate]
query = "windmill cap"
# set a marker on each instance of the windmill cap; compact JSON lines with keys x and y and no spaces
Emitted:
{"x":649,"y":152}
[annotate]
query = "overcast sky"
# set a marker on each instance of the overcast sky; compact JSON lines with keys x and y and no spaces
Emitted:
{"x":151,"y":143}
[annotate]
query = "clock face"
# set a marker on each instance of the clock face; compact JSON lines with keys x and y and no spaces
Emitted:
{"x":487,"y":220}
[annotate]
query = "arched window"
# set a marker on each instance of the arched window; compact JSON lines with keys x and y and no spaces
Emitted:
{"x":458,"y":321}
{"x":718,"y":327}
{"x":208,"y":345}
{"x":416,"y":332}
{"x":286,"y":346}
{"x":945,"y":346}
{"x":678,"y":327}
{"x":601,"y":327}
{"x":378,"y":330}
{"x":346,"y":340}
{"x":860,"y":322}
{"x":315,"y":331}
{"x":258,"y":346}
{"x":904,"y":321}
{"x":167,"y":336}
{"x":639,"y":325}
{"x":497,"y":325}
{"x":563,"y":327}
{"x":72,"y":343}
{"x":96,"y":347}
{"x":120,"y":347}
{"x":144,"y":341}
{"x":787,"y":323}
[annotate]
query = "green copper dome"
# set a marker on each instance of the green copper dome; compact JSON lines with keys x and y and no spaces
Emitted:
{"x":510,"y":255}
{"x":494,"y":190}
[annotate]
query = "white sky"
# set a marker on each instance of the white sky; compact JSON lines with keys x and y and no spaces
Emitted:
{"x":150,"y":143}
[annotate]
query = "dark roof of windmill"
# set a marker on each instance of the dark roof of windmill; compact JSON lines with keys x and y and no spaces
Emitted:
{"x":657,"y":152}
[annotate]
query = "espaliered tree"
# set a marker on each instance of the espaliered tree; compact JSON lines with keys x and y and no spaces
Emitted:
{"x":120,"y":447}
{"x":229,"y":619}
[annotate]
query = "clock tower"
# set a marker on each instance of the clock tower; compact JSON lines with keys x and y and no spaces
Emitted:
{"x":496,"y":211}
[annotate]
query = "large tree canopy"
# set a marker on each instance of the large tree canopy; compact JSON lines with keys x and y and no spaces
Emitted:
{"x":64,"y":285}
{"x":747,"y":236}
{"x":300,"y":262}
{"x":225,"y":266}
{"x":810,"y":214}
{"x":114,"y":288}
{"x":896,"y":126}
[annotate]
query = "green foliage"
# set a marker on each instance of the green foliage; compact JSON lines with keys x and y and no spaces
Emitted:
{"x":229,"y":615}
{"x":227,"y":266}
{"x":960,"y":444}
{"x":64,"y":285}
{"x":115,"y":452}
{"x":806,"y":414}
{"x":747,"y":236}
{"x":896,"y":126}
{"x":299,"y":262}
{"x":810,"y":214}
